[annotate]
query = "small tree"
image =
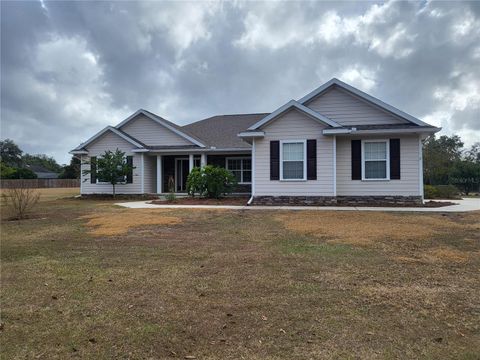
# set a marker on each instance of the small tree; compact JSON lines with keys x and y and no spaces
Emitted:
{"x":210,"y":181}
{"x":20,"y":199}
{"x":111,"y":167}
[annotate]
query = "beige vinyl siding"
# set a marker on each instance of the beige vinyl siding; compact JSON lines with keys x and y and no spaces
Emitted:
{"x":152,"y":133}
{"x":409,"y":171}
{"x":150,"y":174}
{"x":111,"y":141}
{"x":348,"y":110}
{"x":294,"y":125}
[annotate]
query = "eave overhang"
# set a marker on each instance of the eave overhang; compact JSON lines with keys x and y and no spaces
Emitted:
{"x":355,"y":131}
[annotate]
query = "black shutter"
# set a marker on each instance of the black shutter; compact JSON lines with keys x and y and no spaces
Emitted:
{"x":130,"y":173}
{"x":356,"y":160}
{"x":274,"y":160}
{"x":395,"y":159}
{"x":312,"y":159}
{"x":93,"y":170}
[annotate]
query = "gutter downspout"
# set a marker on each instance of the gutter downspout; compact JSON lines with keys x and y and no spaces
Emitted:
{"x":335,"y":165}
{"x":249,"y":202}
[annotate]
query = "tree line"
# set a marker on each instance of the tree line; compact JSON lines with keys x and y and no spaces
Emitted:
{"x":447,"y":162}
{"x":15,"y":164}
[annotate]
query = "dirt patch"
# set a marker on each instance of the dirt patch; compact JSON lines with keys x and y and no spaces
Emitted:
{"x":240,"y":201}
{"x":109,"y":224}
{"x":363,"y":229}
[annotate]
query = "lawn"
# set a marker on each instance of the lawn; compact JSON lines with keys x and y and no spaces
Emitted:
{"x":87,"y":279}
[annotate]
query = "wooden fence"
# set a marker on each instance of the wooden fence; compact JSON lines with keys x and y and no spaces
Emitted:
{"x":40,"y":183}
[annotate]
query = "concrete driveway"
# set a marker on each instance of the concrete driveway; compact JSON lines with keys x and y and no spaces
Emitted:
{"x":467,"y":204}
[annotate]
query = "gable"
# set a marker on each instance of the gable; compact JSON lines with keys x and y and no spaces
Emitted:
{"x":108,"y":141}
{"x":348,"y":110}
{"x":152,"y":133}
{"x":293,"y":122}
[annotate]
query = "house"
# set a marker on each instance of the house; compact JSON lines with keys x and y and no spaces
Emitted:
{"x":335,"y":145}
{"x":42,"y":172}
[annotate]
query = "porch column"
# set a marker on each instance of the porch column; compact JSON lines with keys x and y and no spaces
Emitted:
{"x":190,"y":162}
{"x":203,"y":159}
{"x":159,"y":174}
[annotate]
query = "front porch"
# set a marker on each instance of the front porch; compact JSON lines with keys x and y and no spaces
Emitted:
{"x":165,"y":173}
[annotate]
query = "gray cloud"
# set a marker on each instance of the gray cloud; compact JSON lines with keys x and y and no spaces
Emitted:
{"x":70,"y":68}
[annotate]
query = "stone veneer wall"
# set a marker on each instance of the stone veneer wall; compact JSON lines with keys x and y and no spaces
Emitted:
{"x":339,"y":200}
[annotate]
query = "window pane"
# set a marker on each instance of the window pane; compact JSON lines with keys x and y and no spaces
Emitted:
{"x":375,"y":150}
{"x":237,"y":174}
{"x":234,"y":164}
{"x":375,"y":169}
{"x":293,"y":151}
{"x":247,"y":176}
{"x":247,"y":164}
{"x":293,"y":169}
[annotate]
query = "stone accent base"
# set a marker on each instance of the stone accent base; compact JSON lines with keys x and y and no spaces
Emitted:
{"x":295,"y":200}
{"x":338,"y":201}
{"x":379,"y":200}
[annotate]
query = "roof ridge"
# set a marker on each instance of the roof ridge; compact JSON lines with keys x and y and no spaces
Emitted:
{"x":214,"y":116}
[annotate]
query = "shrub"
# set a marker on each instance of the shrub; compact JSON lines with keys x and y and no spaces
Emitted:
{"x":210,"y":181}
{"x":24,"y":173}
{"x":7,"y":172}
{"x":20,"y":199}
{"x":430,"y":192}
{"x":196,"y":182}
{"x":441,"y":192}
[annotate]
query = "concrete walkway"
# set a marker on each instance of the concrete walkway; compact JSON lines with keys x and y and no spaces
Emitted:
{"x":468,"y":204}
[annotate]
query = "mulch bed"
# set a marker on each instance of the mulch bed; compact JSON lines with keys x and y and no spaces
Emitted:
{"x":241,"y":201}
{"x":138,"y":197}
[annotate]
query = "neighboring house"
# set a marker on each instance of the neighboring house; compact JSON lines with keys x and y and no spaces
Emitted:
{"x":335,"y":145}
{"x":42,"y":172}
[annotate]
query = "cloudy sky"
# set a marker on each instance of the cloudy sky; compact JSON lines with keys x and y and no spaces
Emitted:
{"x":68,"y":69}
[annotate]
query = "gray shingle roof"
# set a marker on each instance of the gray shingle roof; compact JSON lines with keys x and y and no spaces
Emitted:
{"x":387,"y":126}
{"x":221,"y":131}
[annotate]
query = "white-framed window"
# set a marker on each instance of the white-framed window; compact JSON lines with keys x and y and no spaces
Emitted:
{"x":241,"y":168}
{"x":375,"y":160}
{"x":100,"y":181}
{"x":120,"y":180}
{"x":293,"y":164}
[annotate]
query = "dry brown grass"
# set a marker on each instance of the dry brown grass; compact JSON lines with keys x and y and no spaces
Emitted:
{"x":448,"y":255}
{"x":109,"y":224}
{"x":366,"y":228}
{"x":236,"y":285}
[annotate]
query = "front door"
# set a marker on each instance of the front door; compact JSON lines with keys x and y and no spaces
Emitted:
{"x":181,"y":174}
